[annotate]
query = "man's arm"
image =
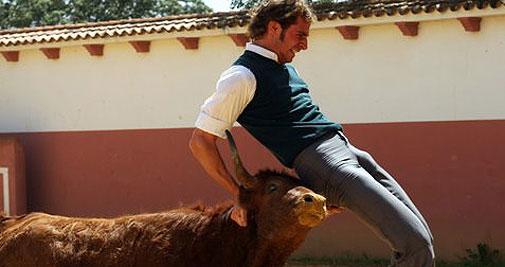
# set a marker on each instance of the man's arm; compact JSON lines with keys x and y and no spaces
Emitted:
{"x":204,"y":149}
{"x":234,"y":90}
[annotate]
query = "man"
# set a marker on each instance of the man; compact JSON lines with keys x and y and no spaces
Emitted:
{"x":268,"y":98}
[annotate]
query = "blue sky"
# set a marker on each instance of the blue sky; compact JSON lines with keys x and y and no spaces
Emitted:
{"x":218,"y":5}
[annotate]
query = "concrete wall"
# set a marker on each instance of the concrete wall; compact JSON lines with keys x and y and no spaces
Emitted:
{"x":108,"y":135}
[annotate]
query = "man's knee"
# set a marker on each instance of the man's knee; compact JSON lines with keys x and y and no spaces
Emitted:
{"x":427,"y":250}
{"x":424,"y":256}
{"x":419,"y":251}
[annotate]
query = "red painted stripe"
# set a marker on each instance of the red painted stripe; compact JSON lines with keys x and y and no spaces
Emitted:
{"x":454,"y":172}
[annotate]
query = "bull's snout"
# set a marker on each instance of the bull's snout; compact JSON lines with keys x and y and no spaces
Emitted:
{"x":314,"y":201}
{"x":311,"y":207}
{"x":308,"y":198}
{"x":313,"y":198}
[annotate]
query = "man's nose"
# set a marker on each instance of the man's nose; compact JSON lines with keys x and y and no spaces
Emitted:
{"x":304,"y":44}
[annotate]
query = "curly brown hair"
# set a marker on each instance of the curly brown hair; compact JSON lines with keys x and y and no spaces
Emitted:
{"x":285,"y":12}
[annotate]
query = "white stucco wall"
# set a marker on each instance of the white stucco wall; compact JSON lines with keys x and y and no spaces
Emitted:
{"x":444,"y":73}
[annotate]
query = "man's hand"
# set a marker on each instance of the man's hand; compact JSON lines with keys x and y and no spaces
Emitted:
{"x":239,"y":215}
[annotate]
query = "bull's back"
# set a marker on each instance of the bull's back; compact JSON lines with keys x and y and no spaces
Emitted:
{"x":21,"y":241}
{"x":142,"y":240}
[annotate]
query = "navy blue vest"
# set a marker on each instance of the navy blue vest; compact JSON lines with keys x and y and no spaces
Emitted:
{"x":281,"y":114}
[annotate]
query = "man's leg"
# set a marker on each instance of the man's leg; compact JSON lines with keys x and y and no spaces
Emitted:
{"x":389,"y":218}
{"x":330,"y":168}
{"x":385,"y":179}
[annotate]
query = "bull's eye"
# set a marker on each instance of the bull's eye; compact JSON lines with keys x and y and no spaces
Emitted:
{"x":272,"y":188}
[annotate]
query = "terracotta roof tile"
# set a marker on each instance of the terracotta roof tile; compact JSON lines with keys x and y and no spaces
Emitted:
{"x":342,"y":10}
{"x":370,"y":8}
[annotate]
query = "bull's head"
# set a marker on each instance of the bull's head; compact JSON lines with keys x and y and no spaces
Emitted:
{"x":276,"y":200}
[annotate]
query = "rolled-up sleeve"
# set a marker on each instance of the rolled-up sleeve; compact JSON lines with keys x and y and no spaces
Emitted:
{"x":234,"y":90}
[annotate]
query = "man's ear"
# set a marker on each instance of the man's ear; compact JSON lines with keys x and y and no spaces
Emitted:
{"x":274,"y":28}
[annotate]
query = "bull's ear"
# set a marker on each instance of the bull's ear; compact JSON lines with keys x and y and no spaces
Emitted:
{"x":242,"y":175}
{"x":332,"y":210}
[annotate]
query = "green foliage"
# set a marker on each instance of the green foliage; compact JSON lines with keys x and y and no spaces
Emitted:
{"x":483,"y":255}
{"x":26,"y":13}
{"x":4,"y":11}
{"x":245,"y":4}
{"x":103,"y":10}
{"x":194,"y":6}
{"x":248,"y":4}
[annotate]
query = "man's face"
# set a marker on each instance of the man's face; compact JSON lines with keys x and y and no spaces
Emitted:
{"x":292,"y":40}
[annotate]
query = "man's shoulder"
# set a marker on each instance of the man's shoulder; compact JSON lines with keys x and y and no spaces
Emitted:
{"x":237,"y":74}
{"x":245,"y":57}
{"x":237,"y":70}
{"x":253,"y":58}
{"x":292,"y":68}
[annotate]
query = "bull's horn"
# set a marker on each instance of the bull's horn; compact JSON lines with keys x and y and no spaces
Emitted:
{"x":244,"y":178}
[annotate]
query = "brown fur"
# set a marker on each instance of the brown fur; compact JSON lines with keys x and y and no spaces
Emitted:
{"x":197,"y":236}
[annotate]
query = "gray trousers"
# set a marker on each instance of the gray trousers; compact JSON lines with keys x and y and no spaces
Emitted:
{"x":350,"y":178}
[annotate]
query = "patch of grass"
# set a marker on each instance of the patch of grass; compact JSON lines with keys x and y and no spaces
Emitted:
{"x":347,"y":260}
{"x":483,"y":255}
{"x":480,"y":256}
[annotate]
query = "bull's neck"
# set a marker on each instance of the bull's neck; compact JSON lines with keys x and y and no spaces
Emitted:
{"x":266,"y":249}
{"x":275,"y":251}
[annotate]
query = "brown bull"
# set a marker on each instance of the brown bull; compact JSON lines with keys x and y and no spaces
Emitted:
{"x":280,"y":214}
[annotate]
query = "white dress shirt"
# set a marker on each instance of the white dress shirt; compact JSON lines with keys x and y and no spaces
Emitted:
{"x":234,"y":90}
